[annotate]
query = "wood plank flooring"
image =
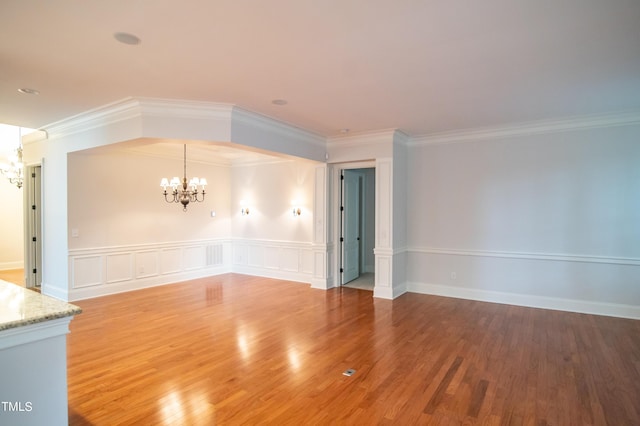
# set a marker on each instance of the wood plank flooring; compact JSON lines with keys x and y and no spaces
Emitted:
{"x":15,"y":276}
{"x":235,"y":349}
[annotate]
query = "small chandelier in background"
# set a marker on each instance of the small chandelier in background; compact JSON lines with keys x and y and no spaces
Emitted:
{"x":15,"y":171}
{"x":184,"y":192}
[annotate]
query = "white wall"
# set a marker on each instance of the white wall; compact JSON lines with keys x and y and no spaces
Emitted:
{"x":270,"y":190}
{"x":547,"y":220}
{"x":11,"y":226}
{"x":270,"y":241}
{"x":128,"y":237}
{"x":90,"y":270}
{"x":11,"y":219}
{"x":115,"y":199}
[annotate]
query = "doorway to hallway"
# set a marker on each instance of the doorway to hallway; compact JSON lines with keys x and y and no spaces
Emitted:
{"x":357,"y":228}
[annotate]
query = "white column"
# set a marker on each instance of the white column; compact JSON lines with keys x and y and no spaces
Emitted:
{"x":384,"y":229}
{"x":322,"y":250}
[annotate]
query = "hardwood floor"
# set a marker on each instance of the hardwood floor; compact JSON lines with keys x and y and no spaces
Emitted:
{"x":235,"y":349}
{"x":15,"y":276}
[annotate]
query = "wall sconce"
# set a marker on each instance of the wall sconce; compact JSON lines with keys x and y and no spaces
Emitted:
{"x":244,"y":207}
{"x":295,"y":208}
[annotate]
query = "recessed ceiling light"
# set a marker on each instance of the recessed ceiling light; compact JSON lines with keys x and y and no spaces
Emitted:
{"x":28,"y":91}
{"x":279,"y":102}
{"x":127,"y":38}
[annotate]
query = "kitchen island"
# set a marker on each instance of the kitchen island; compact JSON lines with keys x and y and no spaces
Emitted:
{"x":33,"y":357}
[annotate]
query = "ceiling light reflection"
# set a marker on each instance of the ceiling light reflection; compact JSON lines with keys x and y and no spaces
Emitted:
{"x":243,"y":346}
{"x":294,"y":359}
{"x":190,"y":408}
{"x":171,"y":408}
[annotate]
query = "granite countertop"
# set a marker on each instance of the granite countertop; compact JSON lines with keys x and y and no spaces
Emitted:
{"x":20,"y":307}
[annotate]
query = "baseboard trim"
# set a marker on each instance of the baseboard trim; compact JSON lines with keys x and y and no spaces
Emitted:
{"x":389,"y":293}
{"x":275,"y":274}
{"x":126,"y":286}
{"x":542,"y":302}
{"x":321,"y":284}
{"x":58,"y":293}
{"x":8,"y":266}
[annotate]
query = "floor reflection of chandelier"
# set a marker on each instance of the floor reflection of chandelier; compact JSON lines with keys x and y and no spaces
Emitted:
{"x":184,"y":192}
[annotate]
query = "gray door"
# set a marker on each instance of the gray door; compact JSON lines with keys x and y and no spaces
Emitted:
{"x":351,"y":196}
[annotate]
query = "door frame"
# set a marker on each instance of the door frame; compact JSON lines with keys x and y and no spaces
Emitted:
{"x":32,"y":219}
{"x":336,"y":202}
{"x":351,"y":219}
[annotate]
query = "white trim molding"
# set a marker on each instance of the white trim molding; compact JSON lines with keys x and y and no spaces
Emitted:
{"x":286,"y":260}
{"x":614,"y":119}
{"x":532,"y":301}
{"x":567,"y":282}
{"x":100,"y":271}
{"x":7,"y":266}
{"x":557,"y":257}
{"x":129,"y":108}
{"x":280,"y":128}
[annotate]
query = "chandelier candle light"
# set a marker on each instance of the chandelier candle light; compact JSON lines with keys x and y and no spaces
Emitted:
{"x":15,"y":171}
{"x":184,"y":192}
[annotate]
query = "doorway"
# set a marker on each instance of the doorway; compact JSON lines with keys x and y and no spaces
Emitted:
{"x":357,"y":228}
{"x":33,"y":227}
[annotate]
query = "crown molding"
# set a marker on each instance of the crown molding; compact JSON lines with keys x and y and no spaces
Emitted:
{"x":269,"y":124}
{"x":615,"y":119}
{"x":130,"y":108}
{"x":35,"y":137}
{"x":363,"y":138}
{"x":401,"y":138}
{"x":123,"y":109}
{"x":185,"y":109}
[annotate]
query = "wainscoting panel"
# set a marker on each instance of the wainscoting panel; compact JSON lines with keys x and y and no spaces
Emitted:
{"x":288,"y":260}
{"x":194,"y":257}
{"x":256,"y":256}
{"x":569,"y":282}
{"x":303,"y":261}
{"x":272,"y":257}
{"x":319,"y":276}
{"x":101,"y":271}
{"x":170,"y":260}
{"x":383,"y":275}
{"x":86,"y":271}
{"x":119,"y":267}
{"x":240,"y":254}
{"x":147,"y":263}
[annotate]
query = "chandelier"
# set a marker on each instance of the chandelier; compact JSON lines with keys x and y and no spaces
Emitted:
{"x":184,"y":192}
{"x":15,"y":171}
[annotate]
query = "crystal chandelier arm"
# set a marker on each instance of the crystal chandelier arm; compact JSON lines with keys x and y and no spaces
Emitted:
{"x":14,"y":172}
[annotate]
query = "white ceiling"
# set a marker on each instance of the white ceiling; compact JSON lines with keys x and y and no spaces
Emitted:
{"x":420,"y":66}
